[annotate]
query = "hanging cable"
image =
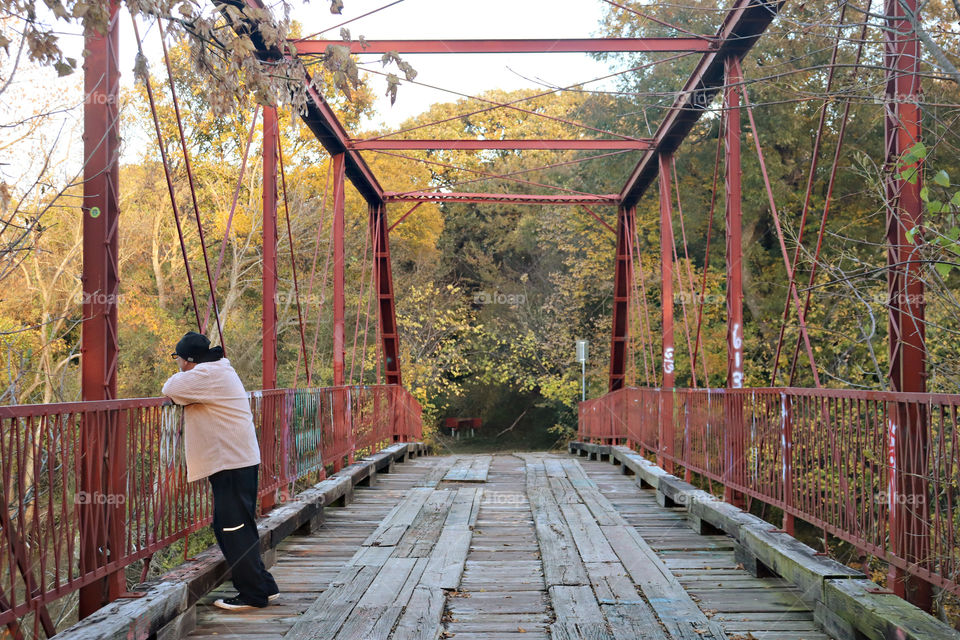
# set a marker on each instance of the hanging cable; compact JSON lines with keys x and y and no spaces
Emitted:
{"x":779,"y":230}
{"x":233,"y":209}
{"x":293,"y":264}
{"x":166,"y":173}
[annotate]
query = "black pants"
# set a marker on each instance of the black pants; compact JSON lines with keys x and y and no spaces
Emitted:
{"x":235,"y":526}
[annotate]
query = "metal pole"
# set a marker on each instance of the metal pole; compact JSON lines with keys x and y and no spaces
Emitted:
{"x":269,"y":293}
{"x":103,"y":464}
{"x":269,"y":329}
{"x":621,"y":300}
{"x":341,"y":397}
{"x":583,"y":381}
{"x":338,"y":270}
{"x":733,"y":433}
{"x":666,"y":435}
{"x":383,"y":278}
{"x":907,"y":428}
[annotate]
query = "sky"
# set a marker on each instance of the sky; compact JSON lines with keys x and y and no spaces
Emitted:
{"x":466,"y":19}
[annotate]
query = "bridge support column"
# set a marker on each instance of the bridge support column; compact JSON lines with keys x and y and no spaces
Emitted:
{"x":907,"y":427}
{"x":666,"y":430}
{"x":622,"y":276}
{"x":341,"y":424}
{"x":383,"y":280}
{"x":734,"y":467}
{"x":102,"y":451}
{"x":269,"y":294}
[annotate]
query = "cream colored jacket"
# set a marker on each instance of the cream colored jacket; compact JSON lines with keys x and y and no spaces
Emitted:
{"x":218,"y":425}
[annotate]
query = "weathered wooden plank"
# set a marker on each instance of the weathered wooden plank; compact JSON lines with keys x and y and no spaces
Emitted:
{"x":393,"y":526}
{"x":587,"y":535}
{"x":421,"y":617}
{"x":445,"y":565}
{"x":561,"y":561}
{"x":466,"y":505}
{"x":422,"y":534}
{"x":327,"y":614}
{"x":568,"y":630}
{"x":677,"y":611}
{"x":441,"y":466}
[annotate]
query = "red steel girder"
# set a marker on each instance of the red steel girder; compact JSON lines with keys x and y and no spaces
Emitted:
{"x":558,"y":45}
{"x":318,"y":115}
{"x":339,"y":286}
{"x":908,"y":429}
{"x":741,"y":28}
{"x":102,"y":451}
{"x":513,"y":198}
{"x":666,"y":426}
{"x":270,"y":237}
{"x":481,"y":145}
{"x":622,"y":279}
{"x":383,"y":280}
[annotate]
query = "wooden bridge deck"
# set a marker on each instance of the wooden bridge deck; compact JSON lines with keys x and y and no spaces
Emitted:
{"x":527,"y":546}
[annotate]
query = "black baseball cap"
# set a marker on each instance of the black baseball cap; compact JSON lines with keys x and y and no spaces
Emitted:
{"x":193,"y":347}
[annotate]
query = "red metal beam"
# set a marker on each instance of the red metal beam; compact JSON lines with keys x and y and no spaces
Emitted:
{"x":103,"y":465}
{"x":513,"y":198}
{"x":907,"y":423}
{"x":339,"y":299}
{"x":741,"y":28}
{"x":269,"y":285}
{"x":383,"y":279}
{"x":560,"y":45}
{"x":622,"y":278}
{"x":666,"y":310}
{"x":480,"y":145}
{"x":735,"y":464}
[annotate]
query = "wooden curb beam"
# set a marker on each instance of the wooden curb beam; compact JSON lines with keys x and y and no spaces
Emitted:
{"x":846,"y":604}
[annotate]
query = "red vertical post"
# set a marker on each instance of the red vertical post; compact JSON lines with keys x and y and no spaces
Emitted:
{"x":733,"y":403}
{"x":103,"y":463}
{"x":269,"y":329}
{"x":269,"y":323}
{"x":666,"y":436}
{"x":386,"y":312}
{"x":383,"y":279}
{"x":621,"y":299}
{"x":909,"y":503}
{"x":340,"y":399}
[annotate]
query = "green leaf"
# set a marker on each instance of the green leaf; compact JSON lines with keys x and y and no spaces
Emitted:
{"x":910,"y":233}
{"x":935,"y":207}
{"x":925,"y":194}
{"x":909,"y":175}
{"x":955,"y":200}
{"x":943,"y":269}
{"x":916,"y":152}
{"x":942,"y":178}
{"x":954,"y":233}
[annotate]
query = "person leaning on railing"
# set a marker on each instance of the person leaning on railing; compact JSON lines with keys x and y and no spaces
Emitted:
{"x":220,"y":443}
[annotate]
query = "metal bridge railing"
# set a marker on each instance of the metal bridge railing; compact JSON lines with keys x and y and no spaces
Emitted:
{"x":833,"y":458}
{"x":52,"y":526}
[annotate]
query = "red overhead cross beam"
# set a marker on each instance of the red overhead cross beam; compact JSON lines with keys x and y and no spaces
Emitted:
{"x":562,"y":45}
{"x":479,"y":145}
{"x":514,"y":198}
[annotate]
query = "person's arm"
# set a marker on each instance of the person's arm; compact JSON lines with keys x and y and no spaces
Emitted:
{"x":183,"y":388}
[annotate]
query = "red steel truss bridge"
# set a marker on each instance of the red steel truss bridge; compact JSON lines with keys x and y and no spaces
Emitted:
{"x":650,"y":532}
